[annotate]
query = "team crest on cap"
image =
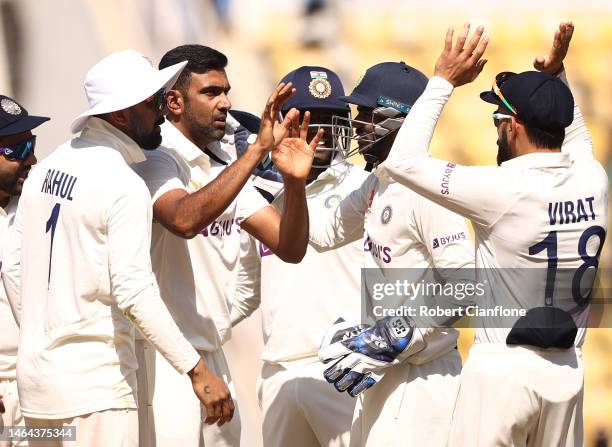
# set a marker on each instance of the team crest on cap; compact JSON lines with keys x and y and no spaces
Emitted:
{"x":320,"y":88}
{"x":332,"y":201}
{"x":385,"y":216}
{"x":10,"y":106}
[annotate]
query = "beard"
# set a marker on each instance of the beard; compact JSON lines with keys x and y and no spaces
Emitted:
{"x":146,"y":139}
{"x":200,"y":131}
{"x":503,"y":149}
{"x":10,"y":184}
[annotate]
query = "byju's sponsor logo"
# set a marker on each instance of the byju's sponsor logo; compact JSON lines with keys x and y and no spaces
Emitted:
{"x":381,"y":252}
{"x":437,"y":242}
{"x":263,"y":250}
{"x":222,"y":228}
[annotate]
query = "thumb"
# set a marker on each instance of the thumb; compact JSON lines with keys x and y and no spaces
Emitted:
{"x":538,"y":62}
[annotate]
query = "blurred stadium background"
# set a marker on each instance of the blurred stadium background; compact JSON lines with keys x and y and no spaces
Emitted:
{"x":46,"y":47}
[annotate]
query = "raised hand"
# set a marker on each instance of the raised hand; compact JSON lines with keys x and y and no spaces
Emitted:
{"x":293,"y":156}
{"x":271,"y":132}
{"x":553,"y":63}
{"x":461,"y":64}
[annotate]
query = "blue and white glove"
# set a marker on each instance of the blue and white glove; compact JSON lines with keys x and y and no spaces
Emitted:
{"x":361,"y":353}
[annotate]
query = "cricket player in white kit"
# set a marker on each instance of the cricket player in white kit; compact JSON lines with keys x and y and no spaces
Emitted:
{"x":80,"y":242}
{"x":17,"y":145}
{"x":202,"y":198}
{"x":403,"y":231}
{"x":543,"y":210}
{"x":299,"y":302}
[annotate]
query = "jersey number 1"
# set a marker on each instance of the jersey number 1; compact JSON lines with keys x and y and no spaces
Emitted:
{"x":549,"y":243}
{"x":51,"y":224}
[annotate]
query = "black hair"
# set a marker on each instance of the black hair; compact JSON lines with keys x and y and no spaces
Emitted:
{"x":545,"y":139}
{"x":200,"y":59}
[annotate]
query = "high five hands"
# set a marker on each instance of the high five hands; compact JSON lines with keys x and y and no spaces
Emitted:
{"x":461,"y":64}
{"x":553,"y":63}
{"x":293,"y":156}
{"x":291,"y":153}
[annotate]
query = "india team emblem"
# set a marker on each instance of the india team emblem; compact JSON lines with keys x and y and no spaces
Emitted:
{"x":332,"y":201}
{"x":320,"y":88}
{"x":10,"y":106}
{"x":386,"y":214}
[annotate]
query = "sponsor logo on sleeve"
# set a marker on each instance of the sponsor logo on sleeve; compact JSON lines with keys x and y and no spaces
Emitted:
{"x":446,"y":174}
{"x":442,"y":241}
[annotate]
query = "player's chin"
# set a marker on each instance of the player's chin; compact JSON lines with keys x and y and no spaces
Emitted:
{"x":218,"y":133}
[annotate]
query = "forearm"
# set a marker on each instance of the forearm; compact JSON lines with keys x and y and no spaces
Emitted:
{"x":148,"y":312}
{"x":577,"y":135}
{"x":198,"y":210}
{"x":414,"y":137}
{"x":294,"y":225}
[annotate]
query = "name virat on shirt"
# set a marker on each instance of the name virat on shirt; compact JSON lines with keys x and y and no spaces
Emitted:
{"x":59,"y":184}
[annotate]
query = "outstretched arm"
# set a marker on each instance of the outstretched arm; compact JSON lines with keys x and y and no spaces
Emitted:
{"x":477,"y":193}
{"x":577,"y":137}
{"x":186,"y":214}
{"x":286,"y":234}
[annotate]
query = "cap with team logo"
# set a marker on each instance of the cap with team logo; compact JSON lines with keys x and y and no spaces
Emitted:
{"x":316,"y":88}
{"x":535,"y":98}
{"x":15,"y":119}
{"x":389,"y":84}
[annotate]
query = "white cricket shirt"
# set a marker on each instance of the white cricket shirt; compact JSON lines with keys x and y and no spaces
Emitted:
{"x":299,"y":302}
{"x":532,"y":209}
{"x":407,"y":237}
{"x":10,"y":332}
{"x":85,"y":221}
{"x":197,"y":277}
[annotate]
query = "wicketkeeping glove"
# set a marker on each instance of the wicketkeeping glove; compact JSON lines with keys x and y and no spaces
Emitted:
{"x":361,"y":353}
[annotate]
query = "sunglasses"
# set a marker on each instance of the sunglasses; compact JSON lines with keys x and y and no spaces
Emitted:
{"x":19,"y":151}
{"x":499,"y":117}
{"x":499,"y":81}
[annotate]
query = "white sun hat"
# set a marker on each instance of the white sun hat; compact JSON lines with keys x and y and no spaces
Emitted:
{"x":122,"y":80}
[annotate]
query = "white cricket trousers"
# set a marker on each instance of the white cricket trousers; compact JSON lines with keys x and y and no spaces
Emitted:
{"x":411,"y":406}
{"x":12,"y":416}
{"x":519,"y":396}
{"x":170,"y":413}
{"x":110,"y":428}
{"x":300,"y":409}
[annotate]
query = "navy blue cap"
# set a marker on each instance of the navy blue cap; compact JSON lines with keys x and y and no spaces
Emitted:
{"x":316,"y":88}
{"x":247,"y":120}
{"x":15,"y":119}
{"x":540,"y":100}
{"x":389,"y":84}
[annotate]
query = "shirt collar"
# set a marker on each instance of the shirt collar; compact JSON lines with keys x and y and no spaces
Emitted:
{"x":102,"y":132}
{"x":540,"y":160}
{"x":174,"y":139}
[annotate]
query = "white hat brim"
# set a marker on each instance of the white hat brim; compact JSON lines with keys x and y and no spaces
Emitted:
{"x":165,"y":78}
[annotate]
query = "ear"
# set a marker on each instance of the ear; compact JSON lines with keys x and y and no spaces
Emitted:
{"x":514,"y":128}
{"x":175,"y":102}
{"x":120,"y":118}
